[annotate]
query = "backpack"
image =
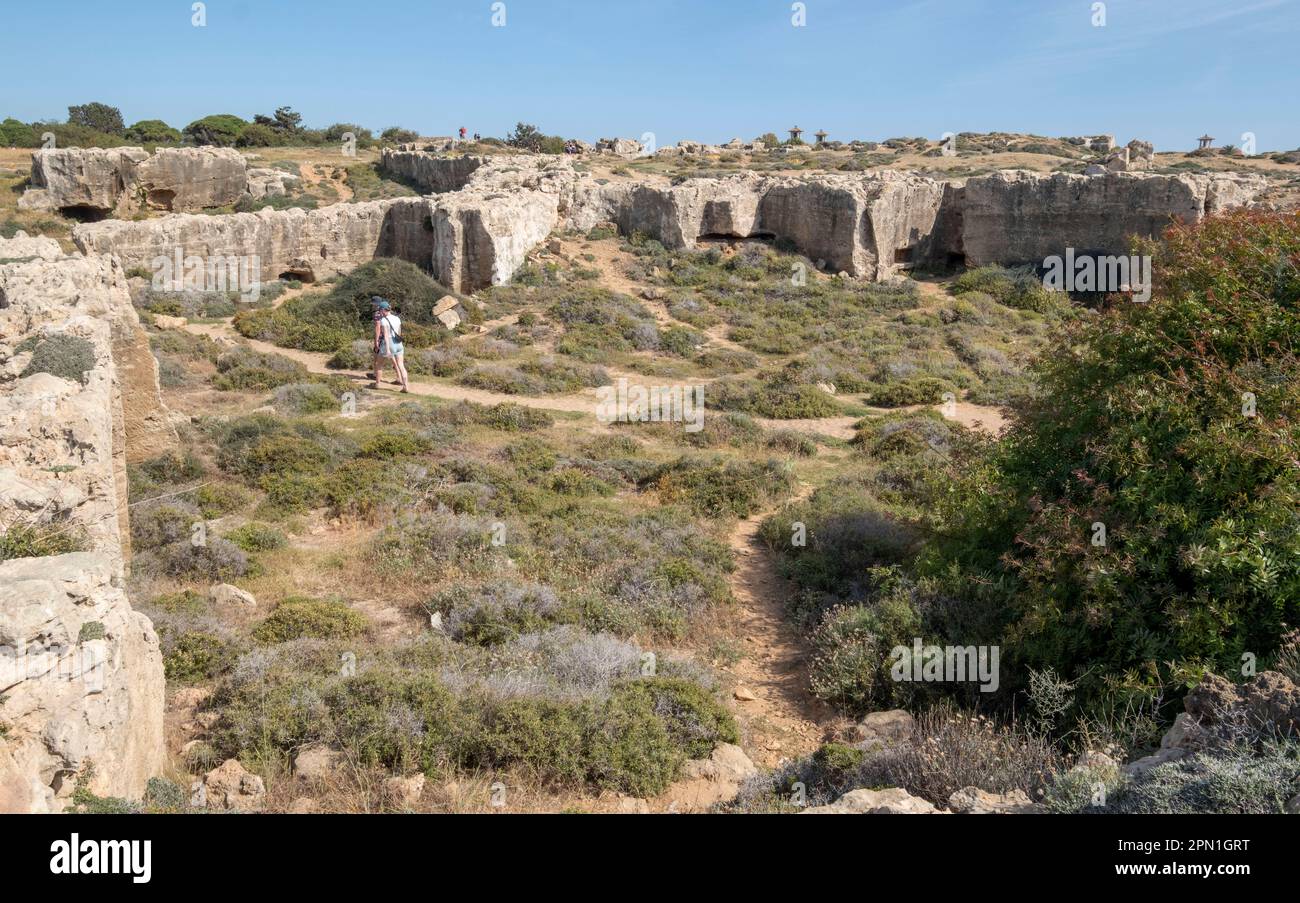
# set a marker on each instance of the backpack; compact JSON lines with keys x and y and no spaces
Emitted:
{"x":394,"y":335}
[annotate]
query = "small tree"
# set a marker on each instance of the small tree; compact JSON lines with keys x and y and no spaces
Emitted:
{"x":153,"y":131}
{"x":18,"y":134}
{"x":769,"y":139}
{"x":98,"y":116}
{"x":221,"y":130}
{"x":397,"y":135}
{"x":255,"y":134}
{"x":286,"y":120}
{"x":525,"y":137}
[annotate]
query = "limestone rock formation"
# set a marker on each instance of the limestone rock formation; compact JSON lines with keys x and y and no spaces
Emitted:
{"x":486,"y":214}
{"x":81,"y":674}
{"x":91,"y":179}
{"x":1022,"y":217}
{"x":893,"y":801}
{"x":434,"y":174}
{"x":100,"y":181}
{"x":974,"y":801}
{"x":304,"y":244}
{"x":190,"y":178}
{"x":270,"y":183}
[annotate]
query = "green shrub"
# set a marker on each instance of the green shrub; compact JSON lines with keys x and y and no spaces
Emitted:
{"x":297,"y":617}
{"x":919,"y":390}
{"x":305,"y":398}
{"x":194,"y":656}
{"x":219,"y":499}
{"x":255,"y":537}
{"x":713,"y":487}
{"x":67,"y":356}
{"x":243,"y":369}
{"x":1141,"y":427}
{"x":24,"y":540}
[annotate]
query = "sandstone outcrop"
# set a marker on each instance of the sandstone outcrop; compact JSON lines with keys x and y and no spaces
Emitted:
{"x":486,"y":214}
{"x":190,"y":178}
{"x":270,"y":183}
{"x":432,"y":173}
{"x":1022,"y":217}
{"x":974,"y":801}
{"x":309,"y":245}
{"x":73,"y":179}
{"x":81,"y":674}
{"x":893,"y":801}
{"x":95,"y":181}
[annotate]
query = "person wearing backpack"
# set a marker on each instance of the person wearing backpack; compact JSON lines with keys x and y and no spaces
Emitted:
{"x":388,"y":342}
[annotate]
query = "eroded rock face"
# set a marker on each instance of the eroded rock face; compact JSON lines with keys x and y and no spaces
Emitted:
{"x":432,"y":173}
{"x":305,"y":244}
{"x":1022,"y":217}
{"x":871,"y":227}
{"x":101,"y":181}
{"x":92,"y":179}
{"x":190,"y":178}
{"x":81,"y":674}
{"x":488,"y":213}
{"x":270,"y":183}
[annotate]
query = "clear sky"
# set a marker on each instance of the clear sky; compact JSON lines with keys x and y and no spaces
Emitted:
{"x":709,"y":70}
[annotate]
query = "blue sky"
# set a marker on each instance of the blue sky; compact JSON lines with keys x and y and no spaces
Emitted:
{"x":1163,"y":70}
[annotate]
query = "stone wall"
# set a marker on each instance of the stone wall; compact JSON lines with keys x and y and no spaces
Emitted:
{"x":81,"y":673}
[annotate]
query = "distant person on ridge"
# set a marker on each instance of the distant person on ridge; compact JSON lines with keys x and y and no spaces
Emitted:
{"x":388,"y":341}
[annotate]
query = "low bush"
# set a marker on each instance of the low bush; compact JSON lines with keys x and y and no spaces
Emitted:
{"x":60,"y":354}
{"x":298,"y":618}
{"x":255,"y":537}
{"x":713,"y":487}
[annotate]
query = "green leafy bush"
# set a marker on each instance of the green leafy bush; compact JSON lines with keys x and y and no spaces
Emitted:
{"x":68,"y":356}
{"x":1175,"y":425}
{"x":255,"y":537}
{"x":713,"y":487}
{"x":297,"y":617}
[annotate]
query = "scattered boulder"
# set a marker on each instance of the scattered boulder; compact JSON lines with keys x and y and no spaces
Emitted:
{"x":894,"y":801}
{"x":883,"y":729}
{"x":228,"y":594}
{"x":404,"y":792}
{"x":316,"y":762}
{"x":706,"y":782}
{"x":270,"y":183}
{"x":974,"y":801}
{"x":164,"y":322}
{"x":620,"y":147}
{"x":230,"y":787}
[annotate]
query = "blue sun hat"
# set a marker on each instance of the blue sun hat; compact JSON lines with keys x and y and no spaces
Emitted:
{"x":380,"y":303}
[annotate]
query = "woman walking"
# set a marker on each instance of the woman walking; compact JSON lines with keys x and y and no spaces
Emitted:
{"x":388,"y":341}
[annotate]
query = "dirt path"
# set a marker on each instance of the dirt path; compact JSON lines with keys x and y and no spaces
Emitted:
{"x":779,"y":719}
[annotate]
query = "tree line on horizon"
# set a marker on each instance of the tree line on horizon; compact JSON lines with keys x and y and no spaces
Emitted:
{"x":97,"y":124}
